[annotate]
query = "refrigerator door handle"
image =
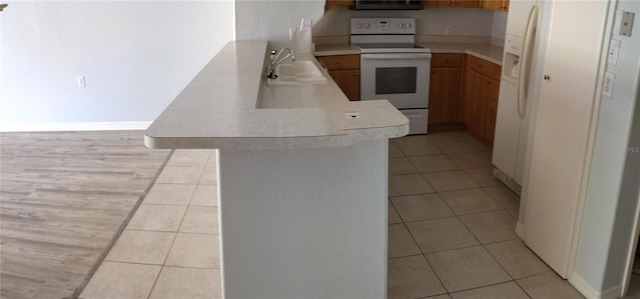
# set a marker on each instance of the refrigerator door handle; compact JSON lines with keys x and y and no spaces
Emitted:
{"x":526,"y":48}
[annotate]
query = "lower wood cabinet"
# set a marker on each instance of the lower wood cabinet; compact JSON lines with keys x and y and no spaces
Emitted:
{"x":345,"y":71}
{"x":349,"y":82}
{"x":445,"y":89}
{"x":482,"y":87}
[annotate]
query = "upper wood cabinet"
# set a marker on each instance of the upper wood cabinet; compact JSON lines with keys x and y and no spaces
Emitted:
{"x":501,"y":5}
{"x":333,"y":3}
{"x":454,"y":3}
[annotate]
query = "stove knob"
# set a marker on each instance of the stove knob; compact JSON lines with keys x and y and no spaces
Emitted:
{"x":408,"y":25}
{"x":366,"y":25}
{"x":400,"y":25}
{"x":359,"y":25}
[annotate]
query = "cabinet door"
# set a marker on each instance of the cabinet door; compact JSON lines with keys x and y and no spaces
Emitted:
{"x":349,"y":82}
{"x":492,"y":111}
{"x":500,"y":5}
{"x":480,"y":105}
{"x":467,"y":3}
{"x":472,"y":102}
{"x":444,"y":95}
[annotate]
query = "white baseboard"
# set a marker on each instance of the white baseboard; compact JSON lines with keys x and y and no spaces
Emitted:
{"x":588,"y":291}
{"x":613,"y":292}
{"x":88,"y":126}
{"x":583,"y":286}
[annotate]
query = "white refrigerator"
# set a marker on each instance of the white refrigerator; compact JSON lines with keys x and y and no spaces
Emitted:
{"x":516,"y":87}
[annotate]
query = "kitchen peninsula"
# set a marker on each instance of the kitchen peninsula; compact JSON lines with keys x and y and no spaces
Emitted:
{"x":302,"y":177}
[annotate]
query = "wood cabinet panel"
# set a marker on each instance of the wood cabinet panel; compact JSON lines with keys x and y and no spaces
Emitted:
{"x":334,"y":3}
{"x":500,"y":5}
{"x":345,"y":71}
{"x":492,"y":111}
{"x":445,"y":89}
{"x":481,"y":99}
{"x":450,"y":60}
{"x":349,"y":82}
{"x":484,"y":67}
{"x":474,"y":115}
{"x":341,"y":62}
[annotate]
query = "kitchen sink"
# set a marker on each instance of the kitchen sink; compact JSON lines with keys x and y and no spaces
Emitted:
{"x":298,"y":72}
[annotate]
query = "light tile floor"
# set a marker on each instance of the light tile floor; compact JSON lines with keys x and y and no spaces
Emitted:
{"x":170,"y":247}
{"x":451,"y":230}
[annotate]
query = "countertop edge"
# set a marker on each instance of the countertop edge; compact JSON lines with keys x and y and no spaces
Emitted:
{"x":437,"y":48}
{"x":215,"y":111}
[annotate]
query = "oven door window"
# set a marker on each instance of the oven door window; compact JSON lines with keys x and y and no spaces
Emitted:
{"x":396,"y":80}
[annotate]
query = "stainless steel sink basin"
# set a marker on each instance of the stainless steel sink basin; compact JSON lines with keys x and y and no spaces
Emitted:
{"x":296,"y":73}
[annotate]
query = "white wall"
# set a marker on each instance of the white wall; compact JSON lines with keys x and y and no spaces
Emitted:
{"x":499,"y":26}
{"x":610,"y":205}
{"x":430,"y":21}
{"x":136,"y":57}
{"x":271,"y":19}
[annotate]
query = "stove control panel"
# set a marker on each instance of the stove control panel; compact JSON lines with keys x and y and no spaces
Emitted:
{"x":383,"y":26}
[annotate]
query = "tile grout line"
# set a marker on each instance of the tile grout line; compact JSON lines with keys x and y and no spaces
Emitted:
{"x":114,"y":239}
{"x":175,"y":236}
{"x":419,"y":248}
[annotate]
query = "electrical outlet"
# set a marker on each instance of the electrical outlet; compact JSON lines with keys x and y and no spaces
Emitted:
{"x":607,"y":87}
{"x":614,"y":49}
{"x":448,"y":30}
{"x":305,"y":25}
{"x":81,"y":82}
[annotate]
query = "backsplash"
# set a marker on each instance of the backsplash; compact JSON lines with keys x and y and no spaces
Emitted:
{"x":430,"y":21}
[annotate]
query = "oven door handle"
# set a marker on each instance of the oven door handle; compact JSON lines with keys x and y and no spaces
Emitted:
{"x":394,"y":56}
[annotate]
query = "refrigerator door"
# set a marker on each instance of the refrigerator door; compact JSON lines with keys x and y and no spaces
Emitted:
{"x":511,"y":130}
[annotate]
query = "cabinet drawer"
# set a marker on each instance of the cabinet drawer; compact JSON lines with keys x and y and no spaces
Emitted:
{"x":447,"y":60}
{"x":341,"y":62}
{"x":484,"y":67}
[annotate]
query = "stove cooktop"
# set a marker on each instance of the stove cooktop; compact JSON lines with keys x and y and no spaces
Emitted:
{"x":392,"y":48}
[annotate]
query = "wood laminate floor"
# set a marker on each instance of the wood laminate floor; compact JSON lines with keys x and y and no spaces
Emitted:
{"x":64,"y":198}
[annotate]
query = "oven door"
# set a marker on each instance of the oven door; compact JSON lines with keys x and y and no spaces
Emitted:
{"x":400,"y":78}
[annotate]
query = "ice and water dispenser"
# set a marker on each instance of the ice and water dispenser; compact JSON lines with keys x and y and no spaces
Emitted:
{"x":512,"y":52}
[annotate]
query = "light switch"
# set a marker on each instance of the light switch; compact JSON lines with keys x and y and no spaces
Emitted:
{"x":607,"y":87}
{"x":614,"y":49}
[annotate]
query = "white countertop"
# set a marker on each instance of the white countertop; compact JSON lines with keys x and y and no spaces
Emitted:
{"x":484,"y":51}
{"x":227,"y":106}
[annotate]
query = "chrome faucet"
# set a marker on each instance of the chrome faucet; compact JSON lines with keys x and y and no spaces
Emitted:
{"x":278,"y":60}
